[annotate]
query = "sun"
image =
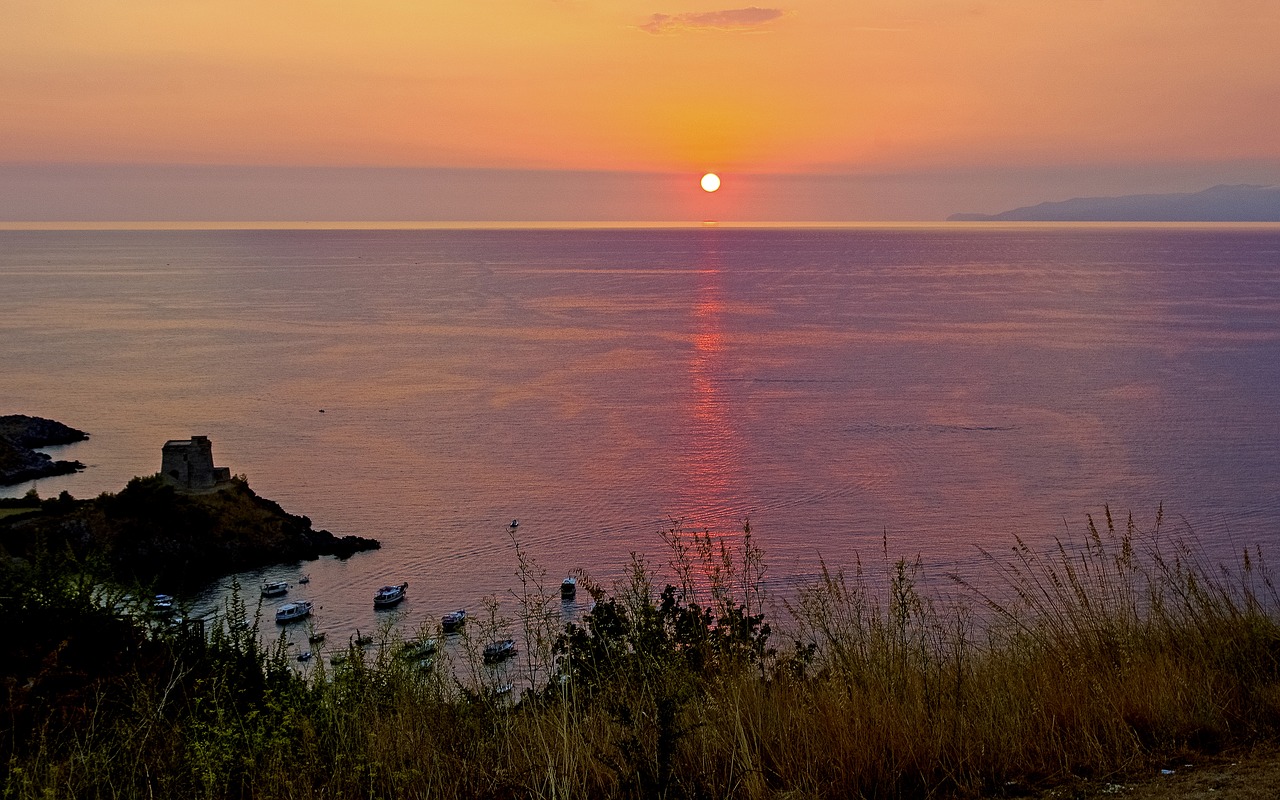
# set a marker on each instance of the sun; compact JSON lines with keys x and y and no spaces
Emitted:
{"x":710,"y":182}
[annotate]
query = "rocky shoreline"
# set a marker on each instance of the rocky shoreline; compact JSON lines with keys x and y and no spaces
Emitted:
{"x":153,"y":534}
{"x":20,"y":435}
{"x":153,"y":531}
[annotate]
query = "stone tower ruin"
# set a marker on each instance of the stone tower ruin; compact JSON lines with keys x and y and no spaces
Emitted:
{"x":188,"y":464}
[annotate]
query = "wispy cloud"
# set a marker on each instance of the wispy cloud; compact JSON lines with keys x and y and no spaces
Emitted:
{"x":733,"y":19}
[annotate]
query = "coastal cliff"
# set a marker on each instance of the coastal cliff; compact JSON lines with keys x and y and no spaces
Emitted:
{"x":152,"y":533}
{"x":20,"y":435}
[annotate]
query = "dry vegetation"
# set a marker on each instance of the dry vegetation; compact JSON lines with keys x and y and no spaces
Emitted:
{"x":1109,"y":656}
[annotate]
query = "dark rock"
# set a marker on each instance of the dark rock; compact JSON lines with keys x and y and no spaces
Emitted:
{"x":37,"y":431}
{"x":20,"y":435}
{"x":347,"y":546}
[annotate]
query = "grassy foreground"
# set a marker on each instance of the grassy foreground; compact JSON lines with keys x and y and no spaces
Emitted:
{"x":1110,"y":655}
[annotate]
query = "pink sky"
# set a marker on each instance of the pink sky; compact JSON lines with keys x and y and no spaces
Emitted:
{"x":821,"y":109}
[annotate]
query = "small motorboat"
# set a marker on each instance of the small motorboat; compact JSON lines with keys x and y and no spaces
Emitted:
{"x":454,"y":620}
{"x":292,"y":612}
{"x":568,"y":588}
{"x":275,"y":589}
{"x":418,"y":649}
{"x":500,"y":650}
{"x":515,"y":523}
{"x":305,"y":655}
{"x":388,"y":596}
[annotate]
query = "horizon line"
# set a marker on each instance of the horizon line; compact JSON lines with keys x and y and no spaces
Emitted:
{"x":460,"y":225}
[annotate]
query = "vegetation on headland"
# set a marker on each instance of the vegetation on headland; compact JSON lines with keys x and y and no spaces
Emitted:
{"x":151,"y":533}
{"x":1111,"y":655}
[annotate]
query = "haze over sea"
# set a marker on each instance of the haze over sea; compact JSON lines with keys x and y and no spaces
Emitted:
{"x":936,"y":388}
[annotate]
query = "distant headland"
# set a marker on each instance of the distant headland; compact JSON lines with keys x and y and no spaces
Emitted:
{"x":1239,"y":203}
{"x":180,"y":528}
{"x":20,"y":435}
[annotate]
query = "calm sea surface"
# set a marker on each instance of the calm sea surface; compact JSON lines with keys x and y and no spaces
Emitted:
{"x":937,"y":388}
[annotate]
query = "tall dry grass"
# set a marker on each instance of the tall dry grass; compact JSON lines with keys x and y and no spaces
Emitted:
{"x":1109,"y":654}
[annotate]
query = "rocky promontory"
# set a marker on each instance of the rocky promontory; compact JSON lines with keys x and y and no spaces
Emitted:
{"x":20,"y":435}
{"x":156,"y":534}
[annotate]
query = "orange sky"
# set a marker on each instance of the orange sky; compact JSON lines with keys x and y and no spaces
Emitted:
{"x":805,"y":86}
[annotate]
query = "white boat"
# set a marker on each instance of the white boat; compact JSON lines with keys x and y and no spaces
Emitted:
{"x":388,"y":596}
{"x":275,"y":589}
{"x":568,"y":588}
{"x":515,"y":523}
{"x":453,"y":620}
{"x":292,"y":612}
{"x":499,"y":650}
{"x":162,"y":604}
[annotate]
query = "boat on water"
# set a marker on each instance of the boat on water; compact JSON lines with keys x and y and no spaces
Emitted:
{"x":275,"y":588}
{"x":304,"y":579}
{"x":515,"y":523}
{"x":388,"y":596}
{"x":454,"y":620}
{"x":292,"y":612}
{"x":315,"y":637}
{"x":305,"y":655}
{"x":418,"y":649}
{"x":162,"y":604}
{"x":568,"y":588}
{"x":500,"y":650}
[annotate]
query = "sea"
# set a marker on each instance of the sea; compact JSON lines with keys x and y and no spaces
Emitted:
{"x":856,"y":394}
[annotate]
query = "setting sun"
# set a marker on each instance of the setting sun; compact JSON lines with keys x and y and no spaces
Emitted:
{"x":710,"y":182}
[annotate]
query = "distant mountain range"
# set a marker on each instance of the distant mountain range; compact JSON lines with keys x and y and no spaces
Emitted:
{"x":1240,"y":203}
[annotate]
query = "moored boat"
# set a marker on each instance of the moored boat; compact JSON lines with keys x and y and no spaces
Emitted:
{"x":568,"y":588}
{"x":499,"y":650}
{"x":454,"y":620}
{"x":388,"y":596}
{"x":418,"y":648}
{"x":292,"y":612}
{"x":275,"y":588}
{"x":162,"y":604}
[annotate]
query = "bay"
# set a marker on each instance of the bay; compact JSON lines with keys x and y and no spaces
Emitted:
{"x":862,"y":393}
